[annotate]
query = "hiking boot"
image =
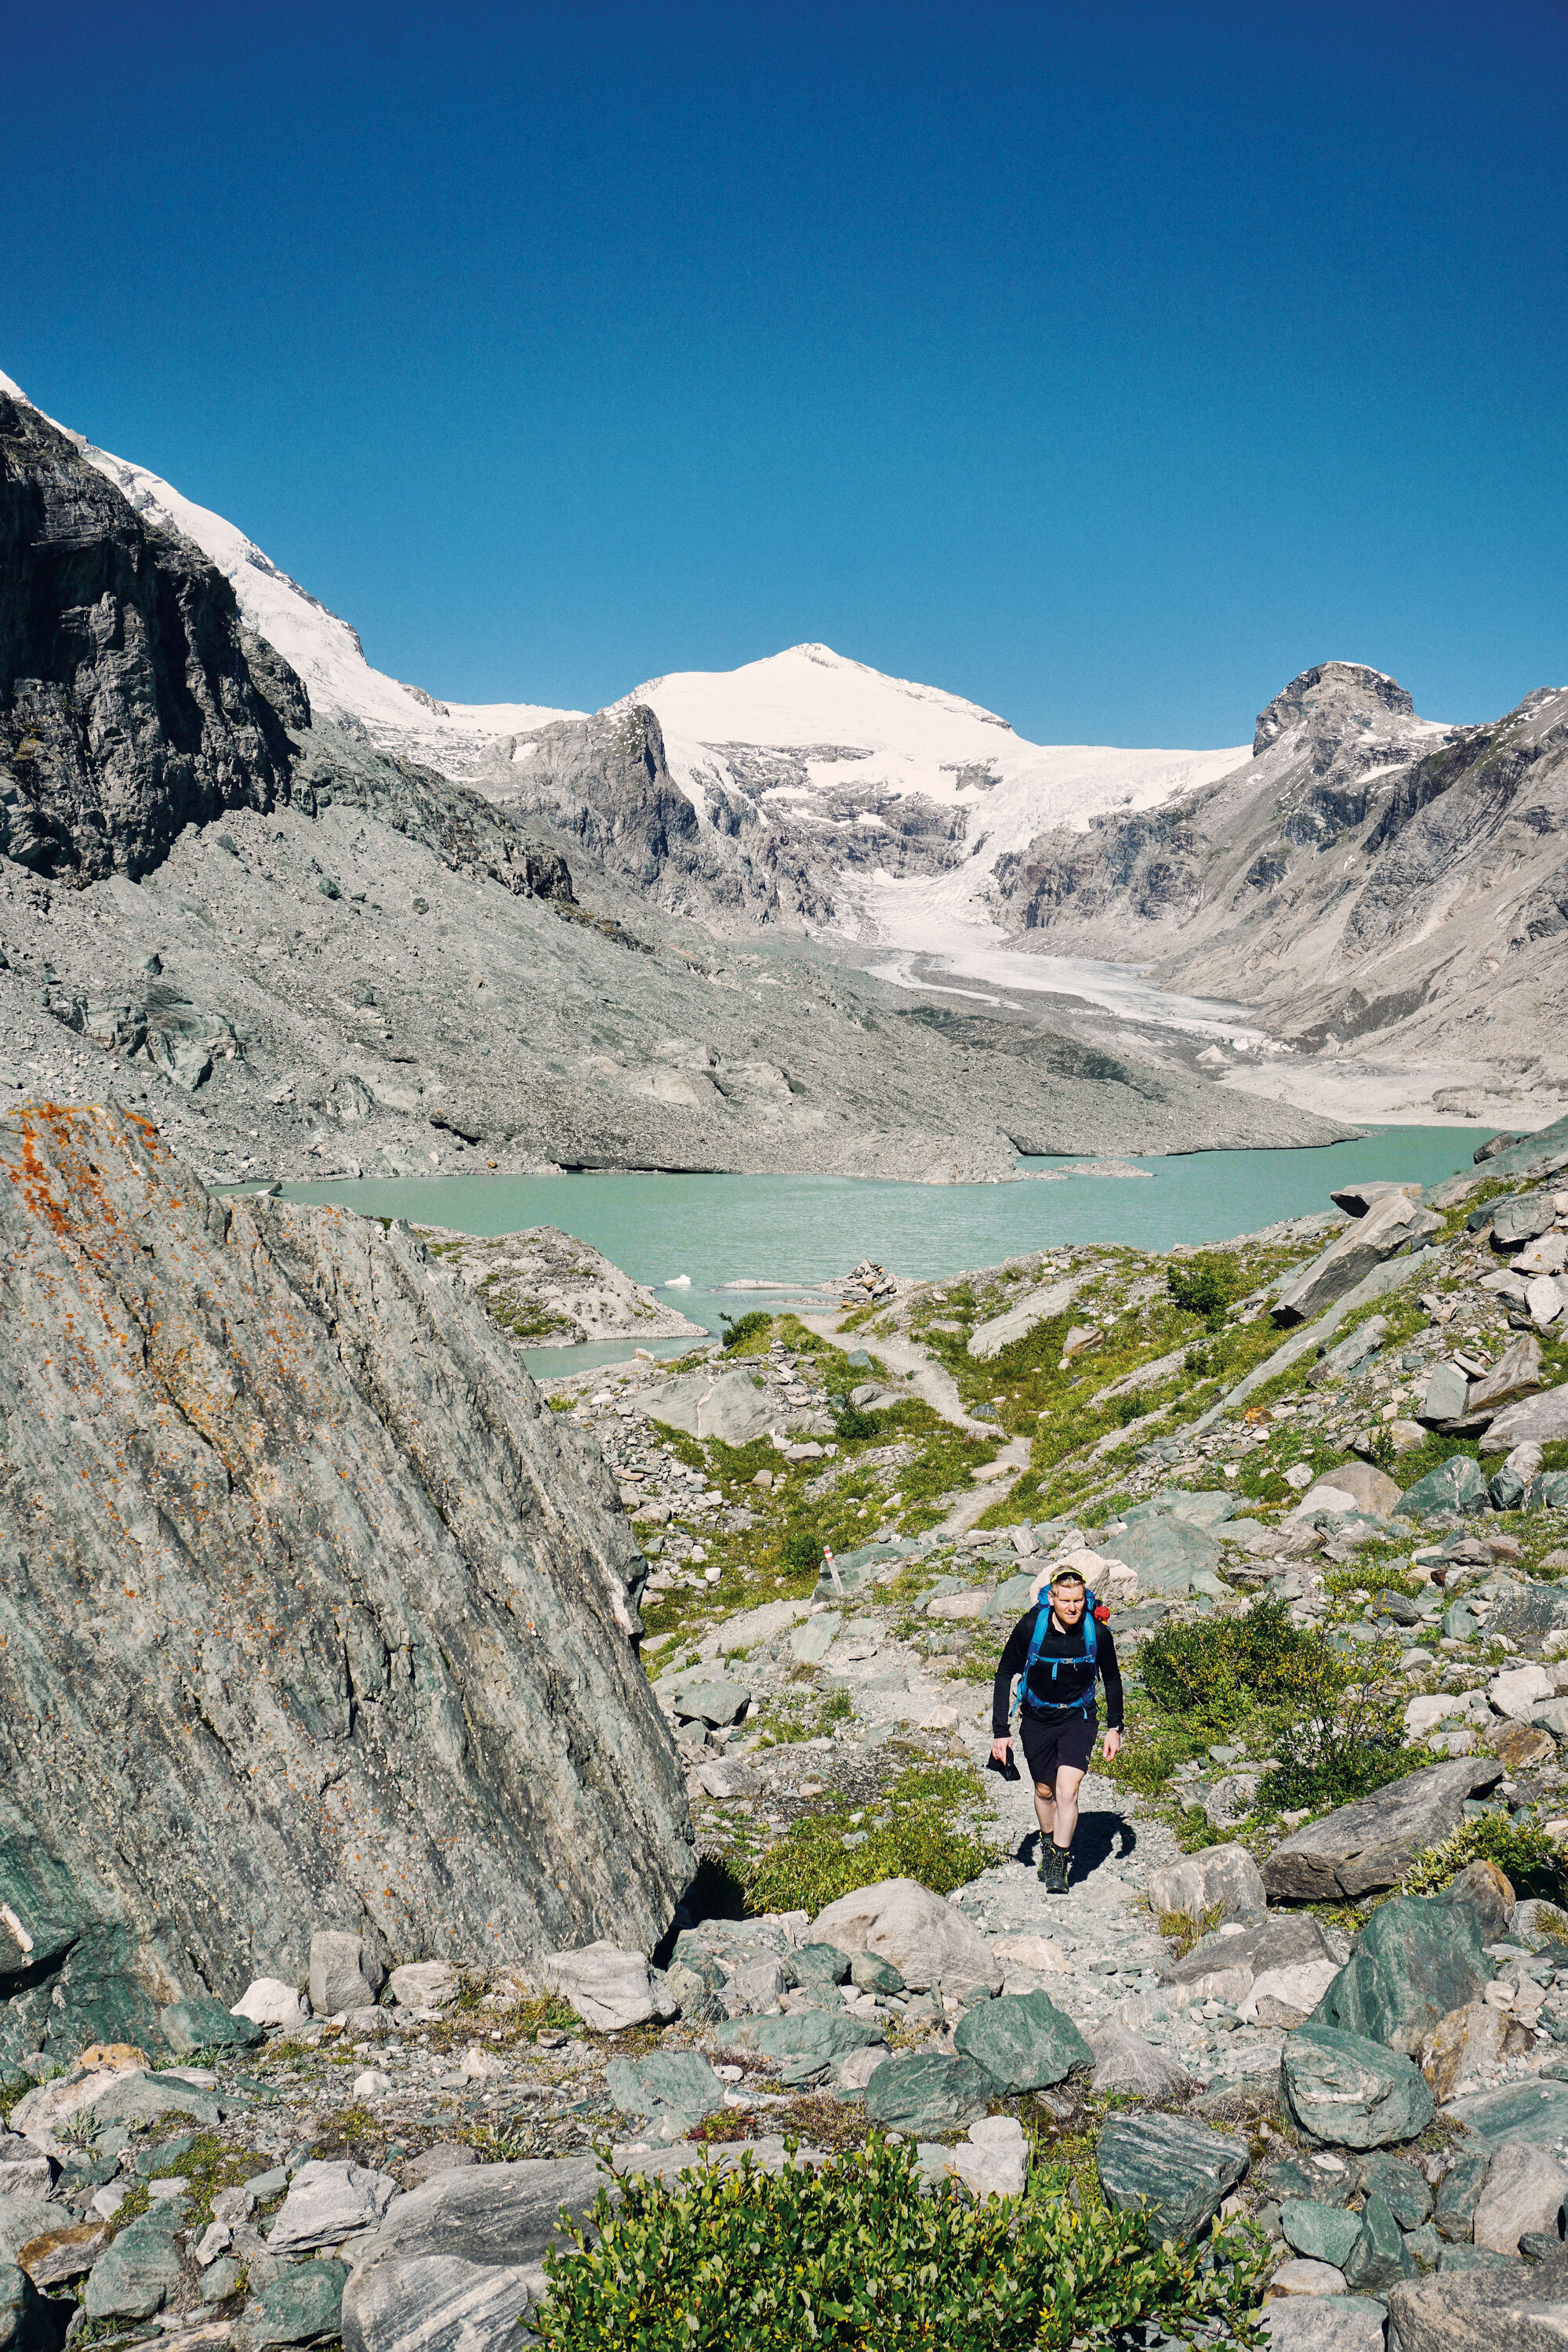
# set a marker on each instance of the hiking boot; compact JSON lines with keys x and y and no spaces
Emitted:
{"x":1056,"y":1868}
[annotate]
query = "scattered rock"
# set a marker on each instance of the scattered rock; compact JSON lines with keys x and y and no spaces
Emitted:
{"x":1523,"y":2190}
{"x":1222,"y":1877}
{"x":423,"y":1984}
{"x":1456,"y":1485}
{"x":269,"y":2001}
{"x":1378,"y":2258}
{"x":1541,"y":1419}
{"x":804,"y":2045}
{"x":1462,"y":2047}
{"x":1124,"y":2062}
{"x":328,"y":2201}
{"x":1481,"y":2310}
{"x":131,"y":2279}
{"x":1321,"y":2234}
{"x":1324,"y":2323}
{"x":667,"y":2082}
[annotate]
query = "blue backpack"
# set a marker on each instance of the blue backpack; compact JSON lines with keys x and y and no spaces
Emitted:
{"x":1028,"y":1696}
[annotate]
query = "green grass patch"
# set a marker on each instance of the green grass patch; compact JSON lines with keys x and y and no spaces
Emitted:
{"x":926,"y":1833}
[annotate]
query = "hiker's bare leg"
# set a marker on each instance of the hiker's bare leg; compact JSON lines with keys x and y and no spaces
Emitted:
{"x":1068,"y":1782}
{"x":1045,"y":1808}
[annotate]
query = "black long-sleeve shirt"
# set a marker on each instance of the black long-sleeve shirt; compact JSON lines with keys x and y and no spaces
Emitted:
{"x":1075,"y":1676}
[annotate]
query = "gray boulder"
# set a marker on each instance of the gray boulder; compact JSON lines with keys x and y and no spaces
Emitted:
{"x":1481,"y":2310}
{"x":1516,"y":1373}
{"x":1415,"y":1959}
{"x":726,"y":1405}
{"x":1521,"y":1218}
{"x":926,"y":1939}
{"x":708,"y":1698}
{"x":1541,"y":1419}
{"x":345,"y":1972}
{"x":439,"y":1572}
{"x":609,"y":1989}
{"x":928,"y":2090}
{"x":1125,"y":2062}
{"x":1282,"y":1940}
{"x":1180,"y":2171}
{"x":1393,"y":1224}
{"x":1369,"y":1845}
{"x":1220,"y":1877}
{"x":1324,"y":2323}
{"x":1523,"y":2190}
{"x":327,"y":2202}
{"x":1341,"y":2089}
{"x":1444,"y":1395}
{"x":457,"y":2261}
{"x":1022,"y":2042}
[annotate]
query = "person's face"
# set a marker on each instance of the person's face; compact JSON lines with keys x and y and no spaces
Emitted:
{"x":1067,"y":1601}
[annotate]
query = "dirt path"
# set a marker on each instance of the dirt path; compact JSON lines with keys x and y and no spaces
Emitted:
{"x":936,"y":1386}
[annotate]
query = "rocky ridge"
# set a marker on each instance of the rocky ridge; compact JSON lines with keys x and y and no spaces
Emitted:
{"x":1383,"y":890}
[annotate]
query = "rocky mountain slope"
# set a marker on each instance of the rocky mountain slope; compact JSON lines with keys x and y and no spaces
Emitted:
{"x":314,"y":953}
{"x":313,"y":1615}
{"x":1388,"y":894}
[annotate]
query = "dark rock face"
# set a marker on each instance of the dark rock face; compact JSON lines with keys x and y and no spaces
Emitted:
{"x":132,"y":702}
{"x":310,"y":1612}
{"x":1294,"y":703}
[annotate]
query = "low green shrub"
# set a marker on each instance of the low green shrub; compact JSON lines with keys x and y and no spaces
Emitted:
{"x":855,"y":2255}
{"x":926,"y":1837}
{"x":1203,"y":1286}
{"x":1217,"y":1666}
{"x":850,"y":1421}
{"x":802,"y":1549}
{"x":743,"y":1328}
{"x":1527,"y":1857}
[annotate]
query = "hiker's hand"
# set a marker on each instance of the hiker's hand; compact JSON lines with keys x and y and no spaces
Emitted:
{"x":1000,"y":1749}
{"x":1113,"y":1744}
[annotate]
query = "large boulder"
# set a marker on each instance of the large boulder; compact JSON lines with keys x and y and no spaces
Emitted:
{"x":1483,"y":2310}
{"x":726,"y":1405}
{"x":1415,"y":1959}
{"x":1222,"y":1878}
{"x":677,"y":2082}
{"x":1178,"y":2171}
{"x":1281,"y":1939}
{"x":1541,"y":1419}
{"x":1520,"y":1218}
{"x":1324,"y":2323}
{"x":303,"y":2304}
{"x":1124,"y":2062}
{"x":1341,"y":2088}
{"x":1023,"y":2040}
{"x":926,"y":1939}
{"x":1393,"y":1224}
{"x":457,"y":2261}
{"x":1362,"y":1488}
{"x":29,"y":2322}
{"x":1368,"y":1845}
{"x":135,"y":2276}
{"x":336,"y":1543}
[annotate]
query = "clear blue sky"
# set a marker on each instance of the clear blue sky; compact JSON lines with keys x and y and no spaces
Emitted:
{"x":1106,"y":365}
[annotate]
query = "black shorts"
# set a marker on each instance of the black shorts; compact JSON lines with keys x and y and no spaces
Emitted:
{"x":1049,"y":1740}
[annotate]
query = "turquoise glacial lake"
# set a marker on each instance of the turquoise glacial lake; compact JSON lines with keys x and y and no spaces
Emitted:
{"x":761,"y":1241}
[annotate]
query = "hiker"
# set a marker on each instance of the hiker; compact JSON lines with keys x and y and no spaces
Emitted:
{"x":1057,"y":1651}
